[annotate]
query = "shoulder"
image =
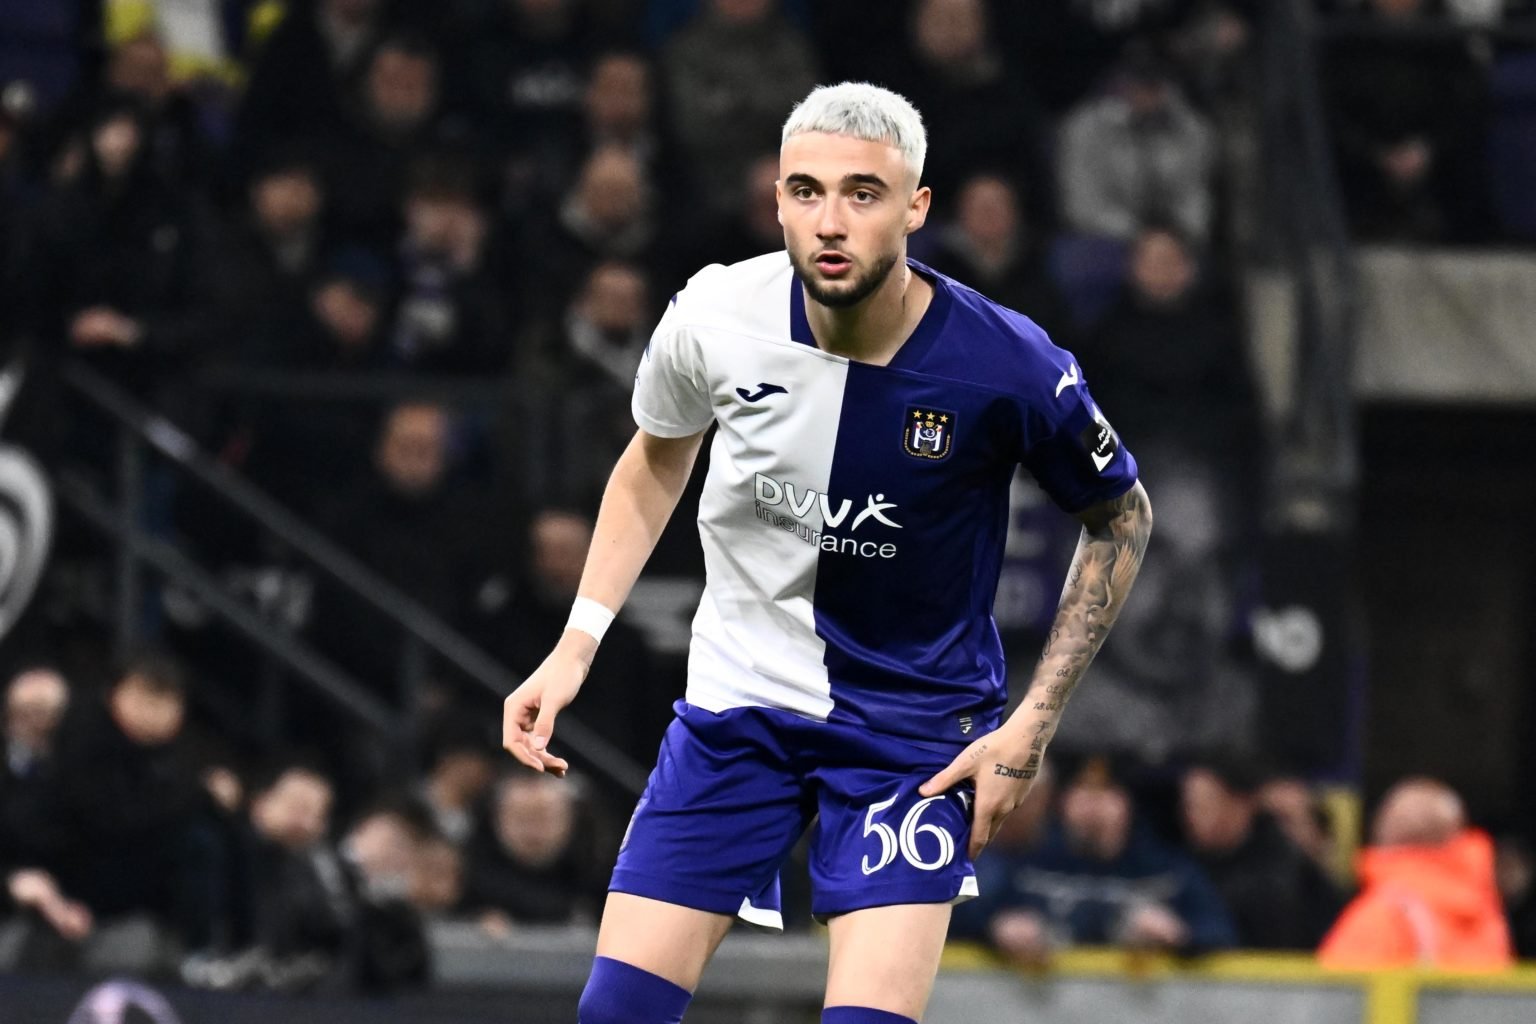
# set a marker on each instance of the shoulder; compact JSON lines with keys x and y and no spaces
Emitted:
{"x":750,"y":297}
{"x":990,"y":345}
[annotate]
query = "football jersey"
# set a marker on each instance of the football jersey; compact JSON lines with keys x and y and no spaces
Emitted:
{"x":853,"y":516}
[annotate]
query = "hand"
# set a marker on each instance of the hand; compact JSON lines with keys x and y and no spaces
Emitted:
{"x":33,"y":888}
{"x":1155,"y":926}
{"x":1021,"y":935}
{"x":528,"y":717}
{"x":1003,"y":767}
{"x":224,"y":787}
{"x":101,"y":326}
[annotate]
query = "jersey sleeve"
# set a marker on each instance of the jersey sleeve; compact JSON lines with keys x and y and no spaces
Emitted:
{"x":671,"y":397}
{"x":1070,"y":447}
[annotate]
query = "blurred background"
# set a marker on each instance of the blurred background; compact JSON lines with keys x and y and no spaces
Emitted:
{"x":318,"y":320}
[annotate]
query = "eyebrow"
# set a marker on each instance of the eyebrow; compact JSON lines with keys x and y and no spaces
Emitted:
{"x":848,"y":179}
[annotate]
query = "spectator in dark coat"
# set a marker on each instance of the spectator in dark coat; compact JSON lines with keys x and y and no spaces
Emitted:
{"x":305,"y":74}
{"x":1279,"y":898}
{"x":35,"y":704}
{"x":538,"y":860}
{"x":608,"y":214}
{"x":113,"y":256}
{"x":1408,"y":116}
{"x":395,"y":119}
{"x":141,"y":822}
{"x":449,"y":317}
{"x":268,"y":260}
{"x":624,"y":710}
{"x":977,"y":110}
{"x":1169,"y":360}
{"x":733,"y":74}
{"x":993,"y":247}
{"x":1099,"y":878}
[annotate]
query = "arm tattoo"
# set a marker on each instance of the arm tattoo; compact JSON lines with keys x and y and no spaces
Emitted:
{"x":1108,"y":557}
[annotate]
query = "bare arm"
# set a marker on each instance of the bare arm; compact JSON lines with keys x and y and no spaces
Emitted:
{"x":641,"y":494}
{"x":1004,"y":763}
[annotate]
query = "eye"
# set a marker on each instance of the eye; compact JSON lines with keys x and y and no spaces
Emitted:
{"x":864,"y":195}
{"x":803,"y":192}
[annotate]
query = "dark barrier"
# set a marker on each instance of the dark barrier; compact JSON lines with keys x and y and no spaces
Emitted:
{"x":75,"y":1001}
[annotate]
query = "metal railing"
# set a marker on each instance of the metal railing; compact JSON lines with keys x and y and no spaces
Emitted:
{"x":1306,"y":235}
{"x":141,"y":432}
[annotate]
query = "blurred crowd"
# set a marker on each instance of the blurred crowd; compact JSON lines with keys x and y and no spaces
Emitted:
{"x":199,"y":194}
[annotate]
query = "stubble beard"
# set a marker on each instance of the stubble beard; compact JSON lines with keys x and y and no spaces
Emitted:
{"x":853,"y":292}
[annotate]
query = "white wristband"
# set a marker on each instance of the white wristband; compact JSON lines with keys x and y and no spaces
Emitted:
{"x":589,"y":617}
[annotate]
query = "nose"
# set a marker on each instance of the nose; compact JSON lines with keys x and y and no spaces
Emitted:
{"x":829,"y":225}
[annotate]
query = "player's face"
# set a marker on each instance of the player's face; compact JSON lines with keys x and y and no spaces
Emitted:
{"x":847,"y":207}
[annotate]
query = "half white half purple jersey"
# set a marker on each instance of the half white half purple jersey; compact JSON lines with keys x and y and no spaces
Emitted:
{"x":853,"y":516}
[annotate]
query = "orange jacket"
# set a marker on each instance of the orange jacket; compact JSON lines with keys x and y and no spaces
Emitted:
{"x":1423,"y":905}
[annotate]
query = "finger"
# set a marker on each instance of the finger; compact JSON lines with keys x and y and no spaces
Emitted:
{"x":944,"y":780}
{"x":543,"y":727}
{"x":983,"y":825}
{"x":517,"y":744}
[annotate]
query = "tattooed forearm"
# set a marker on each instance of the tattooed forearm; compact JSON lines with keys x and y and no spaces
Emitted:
{"x":1108,"y":557}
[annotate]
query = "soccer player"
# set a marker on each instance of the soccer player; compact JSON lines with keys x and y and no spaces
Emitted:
{"x":844,"y":663}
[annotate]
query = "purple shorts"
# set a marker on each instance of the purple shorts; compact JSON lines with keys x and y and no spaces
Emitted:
{"x":732,"y":792}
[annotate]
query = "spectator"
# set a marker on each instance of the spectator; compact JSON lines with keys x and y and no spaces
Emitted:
{"x":297,"y":918}
{"x":113,"y":255}
{"x":621,"y":705}
{"x":141,"y":823}
{"x":380,"y":854}
{"x":619,"y":108}
{"x":979,"y":112}
{"x":1100,"y":878}
{"x":732,"y":75}
{"x":1019,"y":934}
{"x":523,"y":76}
{"x":1278,"y":898}
{"x":437,"y":878}
{"x":35,"y":702}
{"x":461,"y":770}
{"x":1294,"y":807}
{"x":304,"y":74}
{"x":268,"y":261}
{"x":1408,"y":117}
{"x":1516,"y":872}
{"x":1428,"y":893}
{"x":294,"y":450}
{"x":608,"y":214}
{"x":993,"y":247}
{"x":539,"y":860}
{"x":450,"y":317}
{"x":397,"y":119}
{"x":1137,"y":154}
{"x":751,"y":229}
{"x":407,"y":520}
{"x":1169,"y":360}
{"x":593,"y":362}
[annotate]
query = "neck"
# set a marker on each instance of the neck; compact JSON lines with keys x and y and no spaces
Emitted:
{"x":875,"y":329}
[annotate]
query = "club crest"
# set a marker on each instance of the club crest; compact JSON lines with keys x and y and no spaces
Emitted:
{"x":929,"y":433}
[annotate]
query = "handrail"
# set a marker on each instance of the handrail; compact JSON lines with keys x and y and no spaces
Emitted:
{"x":418,"y":621}
{"x":275,"y":640}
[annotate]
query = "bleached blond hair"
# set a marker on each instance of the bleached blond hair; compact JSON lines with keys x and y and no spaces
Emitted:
{"x":860,"y":110}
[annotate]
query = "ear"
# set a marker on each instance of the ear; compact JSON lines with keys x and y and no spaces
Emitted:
{"x":778,"y":200}
{"x":917,"y":208}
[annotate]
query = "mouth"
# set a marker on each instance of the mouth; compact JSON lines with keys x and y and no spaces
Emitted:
{"x":832,"y":263}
